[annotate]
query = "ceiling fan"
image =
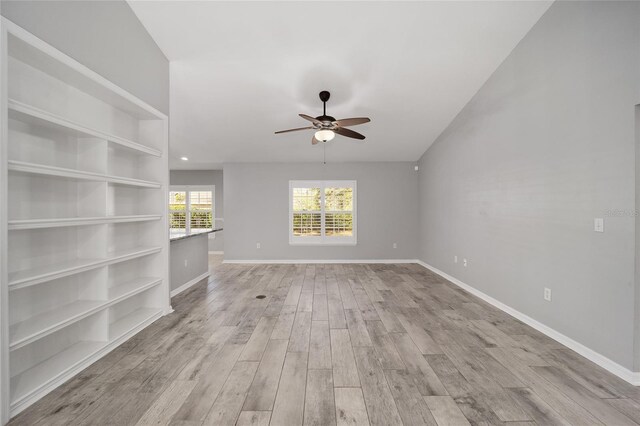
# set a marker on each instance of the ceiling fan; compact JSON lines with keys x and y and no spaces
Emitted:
{"x":326,"y":126}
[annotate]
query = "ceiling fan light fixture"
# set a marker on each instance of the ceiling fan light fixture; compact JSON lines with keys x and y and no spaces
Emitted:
{"x":325,"y":135}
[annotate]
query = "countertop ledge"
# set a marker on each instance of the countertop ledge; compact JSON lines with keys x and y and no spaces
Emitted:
{"x":182,"y":235}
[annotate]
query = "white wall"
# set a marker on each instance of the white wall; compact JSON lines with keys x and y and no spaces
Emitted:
{"x":516,"y":180}
{"x":193,"y":250}
{"x":206,"y":177}
{"x":256,"y":197}
{"x":105,"y":36}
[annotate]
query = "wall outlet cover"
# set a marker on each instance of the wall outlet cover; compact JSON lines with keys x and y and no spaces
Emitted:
{"x":547,"y":294}
{"x":598,"y":224}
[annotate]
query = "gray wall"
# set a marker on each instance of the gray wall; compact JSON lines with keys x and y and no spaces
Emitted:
{"x":105,"y":36}
{"x":194,"y":251}
{"x":206,"y":177}
{"x":516,"y":180}
{"x":257,"y":207}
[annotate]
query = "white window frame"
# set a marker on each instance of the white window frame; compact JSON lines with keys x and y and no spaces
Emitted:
{"x":195,"y":188}
{"x":323,"y":240}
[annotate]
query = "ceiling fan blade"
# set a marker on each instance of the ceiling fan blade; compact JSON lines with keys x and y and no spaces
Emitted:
{"x":348,"y":133}
{"x":311,"y":119}
{"x":314,"y":141}
{"x":345,"y":122}
{"x":293,"y":130}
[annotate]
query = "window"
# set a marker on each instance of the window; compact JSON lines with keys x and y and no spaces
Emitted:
{"x":322,"y":212}
{"x":194,"y":203}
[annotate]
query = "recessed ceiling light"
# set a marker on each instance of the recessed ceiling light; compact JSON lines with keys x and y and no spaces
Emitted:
{"x":184,"y":158}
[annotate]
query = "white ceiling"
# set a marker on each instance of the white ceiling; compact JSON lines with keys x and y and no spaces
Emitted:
{"x":242,"y":70}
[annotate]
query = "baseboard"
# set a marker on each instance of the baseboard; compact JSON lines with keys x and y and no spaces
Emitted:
{"x":314,"y":261}
{"x":216,"y":252}
{"x":597,"y":358}
{"x":188,"y":284}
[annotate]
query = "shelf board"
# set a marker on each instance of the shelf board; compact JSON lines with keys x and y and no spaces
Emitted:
{"x":38,"y":326}
{"x":131,"y":288}
{"x":24,"y":224}
{"x":36,"y":116}
{"x":61,"y":172}
{"x":28,"y":277}
{"x":131,"y":321}
{"x":30,"y":381}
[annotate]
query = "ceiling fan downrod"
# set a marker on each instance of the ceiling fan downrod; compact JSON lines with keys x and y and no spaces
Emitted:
{"x":324,"y":97}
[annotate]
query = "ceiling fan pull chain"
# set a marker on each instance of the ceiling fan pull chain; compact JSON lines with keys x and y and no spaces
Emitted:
{"x":324,"y":153}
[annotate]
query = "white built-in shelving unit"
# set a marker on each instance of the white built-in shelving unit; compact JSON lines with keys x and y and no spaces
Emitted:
{"x":84,"y":175}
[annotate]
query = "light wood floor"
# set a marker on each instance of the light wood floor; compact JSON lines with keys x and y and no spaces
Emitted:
{"x":337,"y":344}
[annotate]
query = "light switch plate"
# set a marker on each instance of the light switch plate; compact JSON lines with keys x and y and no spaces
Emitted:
{"x":598,"y":224}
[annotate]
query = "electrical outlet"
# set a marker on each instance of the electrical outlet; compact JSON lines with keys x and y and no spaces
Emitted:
{"x":547,"y":294}
{"x":598,"y":224}
{"x":395,"y":245}
{"x":455,"y":259}
{"x":257,"y":245}
{"x":186,"y":263}
{"x":464,"y":262}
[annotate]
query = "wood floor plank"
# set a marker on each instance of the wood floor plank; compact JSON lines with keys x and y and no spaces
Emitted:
{"x":445,"y":411}
{"x":567,"y":408}
{"x":262,"y":392}
{"x":254,"y":418}
{"x":199,"y":402}
{"x":334,"y":303}
{"x":381,"y":406}
{"x":357,"y":328}
{"x":536,"y":408}
{"x":305,"y":302}
{"x":486,"y":388}
{"x":319,"y":405}
{"x":320,"y":346}
{"x":299,"y":340}
{"x":293,"y":295}
{"x":345,"y":372}
{"x":288,"y":409}
{"x":388,"y":318}
{"x":258,"y":341}
{"x":284,"y":323}
{"x":581,"y":375}
{"x":425,"y":378}
{"x":163,"y":409}
{"x":320,"y":308}
{"x":600,"y":409}
{"x":629,"y":407}
{"x":350,"y":407}
{"x":384,"y":346}
{"x":411,"y":321}
{"x":411,"y":406}
{"x":227,"y":406}
{"x":346,"y":294}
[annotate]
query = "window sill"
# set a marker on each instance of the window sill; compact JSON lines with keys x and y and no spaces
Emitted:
{"x":323,"y":244}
